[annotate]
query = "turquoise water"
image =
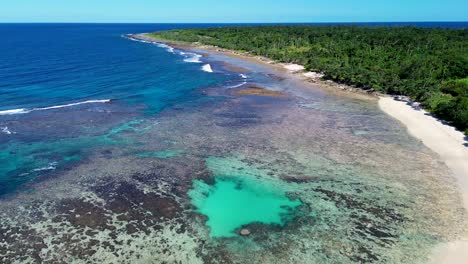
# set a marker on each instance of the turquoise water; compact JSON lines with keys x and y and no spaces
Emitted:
{"x":241,"y":195}
{"x":24,"y":162}
{"x":233,"y":202}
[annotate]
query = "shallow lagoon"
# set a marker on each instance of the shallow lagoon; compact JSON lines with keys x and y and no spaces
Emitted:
{"x":315,"y":177}
{"x":237,"y":200}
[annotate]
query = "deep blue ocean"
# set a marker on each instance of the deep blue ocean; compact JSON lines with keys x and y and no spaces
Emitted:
{"x":50,"y":64}
{"x":59,"y":82}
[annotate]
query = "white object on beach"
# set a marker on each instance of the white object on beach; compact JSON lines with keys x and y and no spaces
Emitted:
{"x":293,"y":67}
{"x":313,"y":75}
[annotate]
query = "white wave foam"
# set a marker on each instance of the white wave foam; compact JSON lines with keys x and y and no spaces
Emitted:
{"x":164,"y":46}
{"x":243,"y":76}
{"x":207,"y":68}
{"x":72,"y":104}
{"x":25,"y":111}
{"x":6,"y":130}
{"x":139,"y":40}
{"x":15,"y":111}
{"x":193,"y":58}
{"x":132,"y":38}
{"x":50,"y":166}
{"x":238,"y":85}
{"x":161,"y":45}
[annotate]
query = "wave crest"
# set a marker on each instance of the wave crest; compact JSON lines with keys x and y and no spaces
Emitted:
{"x":6,"y":130}
{"x":238,"y":85}
{"x":164,"y":46}
{"x":207,"y":68}
{"x":25,"y":111}
{"x":192,"y":57}
{"x":50,"y":166}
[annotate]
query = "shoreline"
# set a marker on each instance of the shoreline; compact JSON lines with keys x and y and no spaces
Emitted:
{"x":450,"y":144}
{"x":294,"y":70}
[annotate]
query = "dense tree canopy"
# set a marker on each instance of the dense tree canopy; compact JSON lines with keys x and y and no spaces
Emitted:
{"x":428,"y":64}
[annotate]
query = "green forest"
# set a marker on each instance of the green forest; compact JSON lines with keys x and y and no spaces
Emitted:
{"x":430,"y":65}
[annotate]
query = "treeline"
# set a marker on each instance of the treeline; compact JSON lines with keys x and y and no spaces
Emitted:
{"x":429,"y":65}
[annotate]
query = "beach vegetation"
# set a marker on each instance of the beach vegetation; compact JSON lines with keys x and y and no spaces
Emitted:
{"x":430,"y":65}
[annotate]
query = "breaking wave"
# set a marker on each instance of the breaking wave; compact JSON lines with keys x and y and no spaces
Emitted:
{"x":25,"y":110}
{"x":50,"y":166}
{"x":207,"y":68}
{"x":6,"y":130}
{"x":238,"y":85}
{"x":191,"y":57}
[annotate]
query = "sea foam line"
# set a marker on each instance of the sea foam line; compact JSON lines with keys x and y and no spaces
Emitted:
{"x":244,"y":77}
{"x":161,"y":45}
{"x":50,"y":166}
{"x":25,"y":110}
{"x":15,"y":111}
{"x":6,"y":130}
{"x":238,"y":85}
{"x":188,"y":56}
{"x":192,"y":57}
{"x":164,"y":46}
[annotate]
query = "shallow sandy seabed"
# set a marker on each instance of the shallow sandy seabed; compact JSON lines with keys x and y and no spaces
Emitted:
{"x":451,"y":145}
{"x":369,"y":192}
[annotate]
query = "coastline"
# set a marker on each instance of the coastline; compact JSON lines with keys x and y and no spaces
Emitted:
{"x":294,"y":70}
{"x":450,"y":144}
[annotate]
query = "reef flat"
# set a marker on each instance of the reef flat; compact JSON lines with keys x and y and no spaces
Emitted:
{"x":313,"y":177}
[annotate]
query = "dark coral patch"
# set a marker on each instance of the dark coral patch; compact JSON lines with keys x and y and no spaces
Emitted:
{"x":374,"y":223}
{"x":82,"y":214}
{"x":15,"y":239}
{"x":259,"y":91}
{"x":298,"y":179}
{"x":143,"y":211}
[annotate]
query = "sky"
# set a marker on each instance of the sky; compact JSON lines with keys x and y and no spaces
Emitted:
{"x":238,"y":11}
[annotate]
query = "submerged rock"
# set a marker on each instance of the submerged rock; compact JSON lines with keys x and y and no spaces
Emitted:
{"x":245,"y":232}
{"x":258,"y":91}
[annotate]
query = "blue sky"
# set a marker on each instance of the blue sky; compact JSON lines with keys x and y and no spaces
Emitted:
{"x":248,"y":11}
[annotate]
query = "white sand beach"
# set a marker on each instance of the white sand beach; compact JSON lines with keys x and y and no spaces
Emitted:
{"x":452,"y":147}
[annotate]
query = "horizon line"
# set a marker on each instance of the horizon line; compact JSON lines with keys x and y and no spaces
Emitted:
{"x":328,"y":22}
